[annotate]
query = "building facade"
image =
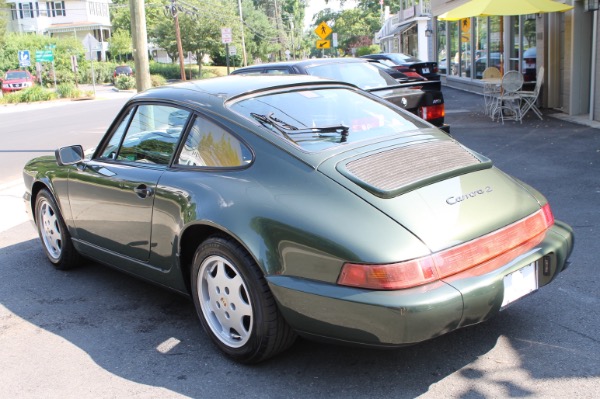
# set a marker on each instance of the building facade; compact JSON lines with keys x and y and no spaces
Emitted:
{"x":410,"y":31}
{"x":565,"y":44}
{"x":87,"y":20}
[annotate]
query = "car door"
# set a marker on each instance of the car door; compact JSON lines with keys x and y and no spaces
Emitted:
{"x":112,"y":195}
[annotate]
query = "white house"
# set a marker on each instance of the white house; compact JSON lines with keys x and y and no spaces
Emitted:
{"x":64,"y":18}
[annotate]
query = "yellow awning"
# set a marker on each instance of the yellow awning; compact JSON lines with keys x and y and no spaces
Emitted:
{"x":483,"y":8}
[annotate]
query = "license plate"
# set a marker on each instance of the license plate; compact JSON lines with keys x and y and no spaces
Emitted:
{"x":520,"y":283}
{"x":425,"y":70}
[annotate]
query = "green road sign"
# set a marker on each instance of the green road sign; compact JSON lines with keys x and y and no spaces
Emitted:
{"x":44,"y":56}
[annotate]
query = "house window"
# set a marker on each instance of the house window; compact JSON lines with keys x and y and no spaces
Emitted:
{"x":58,"y":9}
{"x":27,"y":10}
{"x":13,"y":12}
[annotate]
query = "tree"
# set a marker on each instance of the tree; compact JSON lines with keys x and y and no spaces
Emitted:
{"x":4,"y":15}
{"x":200,"y":23}
{"x":120,"y":44}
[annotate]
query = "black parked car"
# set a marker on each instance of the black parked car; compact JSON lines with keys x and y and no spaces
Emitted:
{"x":408,"y":64}
{"x":428,"y":105}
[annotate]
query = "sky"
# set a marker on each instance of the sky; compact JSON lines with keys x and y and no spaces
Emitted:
{"x":314,"y":6}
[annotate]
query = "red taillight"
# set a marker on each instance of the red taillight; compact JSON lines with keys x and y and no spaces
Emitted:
{"x":515,"y":239}
{"x":432,"y":112}
{"x":435,"y":69}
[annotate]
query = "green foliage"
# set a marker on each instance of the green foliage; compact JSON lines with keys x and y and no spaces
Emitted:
{"x":125,"y":82}
{"x":172,"y":71}
{"x":120,"y":44}
{"x":29,"y":95}
{"x":157,"y":80}
{"x":3,"y":20}
{"x":365,"y":50}
{"x":168,"y":71}
{"x":68,"y":90}
{"x":103,"y":72}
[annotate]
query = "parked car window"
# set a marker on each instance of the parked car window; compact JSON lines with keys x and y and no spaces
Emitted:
{"x":150,"y":137}
{"x":277,"y":71}
{"x":207,"y":144}
{"x":360,"y":74}
{"x":317,"y":120}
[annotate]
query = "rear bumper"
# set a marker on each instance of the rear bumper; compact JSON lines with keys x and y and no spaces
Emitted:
{"x":396,"y":318}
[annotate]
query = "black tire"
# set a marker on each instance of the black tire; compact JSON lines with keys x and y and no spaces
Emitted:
{"x":234,"y":303}
{"x":53,"y":232}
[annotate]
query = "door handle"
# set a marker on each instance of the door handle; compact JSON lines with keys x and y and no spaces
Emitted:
{"x":143,"y":191}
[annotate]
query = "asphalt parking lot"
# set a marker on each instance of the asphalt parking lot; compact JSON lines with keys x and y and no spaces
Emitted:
{"x":97,"y":333}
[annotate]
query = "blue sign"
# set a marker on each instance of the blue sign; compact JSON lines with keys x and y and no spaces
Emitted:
{"x":24,"y":58}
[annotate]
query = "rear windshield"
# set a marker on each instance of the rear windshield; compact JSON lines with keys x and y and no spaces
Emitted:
{"x":361,"y":74}
{"x":125,"y":69}
{"x":318,"y":120}
{"x":402,"y":58}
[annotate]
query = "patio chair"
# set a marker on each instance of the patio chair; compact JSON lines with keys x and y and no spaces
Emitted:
{"x":490,"y":87}
{"x":507,"y":104}
{"x":529,"y":98}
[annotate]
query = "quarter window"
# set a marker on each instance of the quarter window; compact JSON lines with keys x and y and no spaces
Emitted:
{"x":210,"y":145}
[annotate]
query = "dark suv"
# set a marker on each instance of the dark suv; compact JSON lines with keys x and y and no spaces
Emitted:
{"x":122,"y":70}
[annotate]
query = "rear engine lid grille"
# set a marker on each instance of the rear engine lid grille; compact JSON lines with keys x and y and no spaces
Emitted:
{"x":390,"y":172}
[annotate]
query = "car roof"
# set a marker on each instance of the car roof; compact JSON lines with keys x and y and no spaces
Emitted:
{"x":304,"y":63}
{"x":233,"y":86}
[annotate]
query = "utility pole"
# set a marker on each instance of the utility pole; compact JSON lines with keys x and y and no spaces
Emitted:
{"x":139,"y":37}
{"x":175,"y":14}
{"x":243,"y":41}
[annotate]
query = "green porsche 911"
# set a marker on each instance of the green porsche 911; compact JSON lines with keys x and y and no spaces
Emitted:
{"x":293,"y":205}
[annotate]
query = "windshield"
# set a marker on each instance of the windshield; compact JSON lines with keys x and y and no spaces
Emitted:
{"x":317,"y":120}
{"x":361,"y":74}
{"x":16,"y":75}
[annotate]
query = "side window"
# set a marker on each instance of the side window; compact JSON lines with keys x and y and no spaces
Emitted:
{"x":110,"y":151}
{"x":210,"y":145}
{"x":277,"y":71}
{"x":150,"y":137}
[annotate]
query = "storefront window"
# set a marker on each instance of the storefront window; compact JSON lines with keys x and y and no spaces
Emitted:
{"x":410,"y":42}
{"x":481,"y":46}
{"x":454,"y":56}
{"x":514,"y":47}
{"x":475,"y":44}
{"x":530,"y":52}
{"x":441,"y":47}
{"x":496,"y":48}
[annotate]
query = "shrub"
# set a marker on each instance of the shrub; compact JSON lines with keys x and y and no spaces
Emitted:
{"x":125,"y":82}
{"x":158,"y":80}
{"x":366,"y":50}
{"x":31,"y":94}
{"x":68,"y":90}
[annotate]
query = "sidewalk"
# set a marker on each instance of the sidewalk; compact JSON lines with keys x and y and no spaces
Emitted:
{"x":12,"y":210}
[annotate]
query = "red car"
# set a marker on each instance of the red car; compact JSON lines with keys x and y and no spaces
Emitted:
{"x":16,"y":80}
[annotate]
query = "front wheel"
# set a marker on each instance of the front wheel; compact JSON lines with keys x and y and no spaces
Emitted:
{"x":53,"y":232}
{"x":234,"y":303}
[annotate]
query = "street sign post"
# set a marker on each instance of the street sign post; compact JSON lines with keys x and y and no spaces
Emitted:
{"x":226,"y":38}
{"x":24,"y":58}
{"x":323,"y":44}
{"x":323,"y":30}
{"x":44,"y":56}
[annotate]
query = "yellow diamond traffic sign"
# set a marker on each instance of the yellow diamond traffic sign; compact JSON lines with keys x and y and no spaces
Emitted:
{"x":323,"y":44}
{"x":323,"y":30}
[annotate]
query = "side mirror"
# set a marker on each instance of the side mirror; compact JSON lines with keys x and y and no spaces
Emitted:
{"x":69,"y":155}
